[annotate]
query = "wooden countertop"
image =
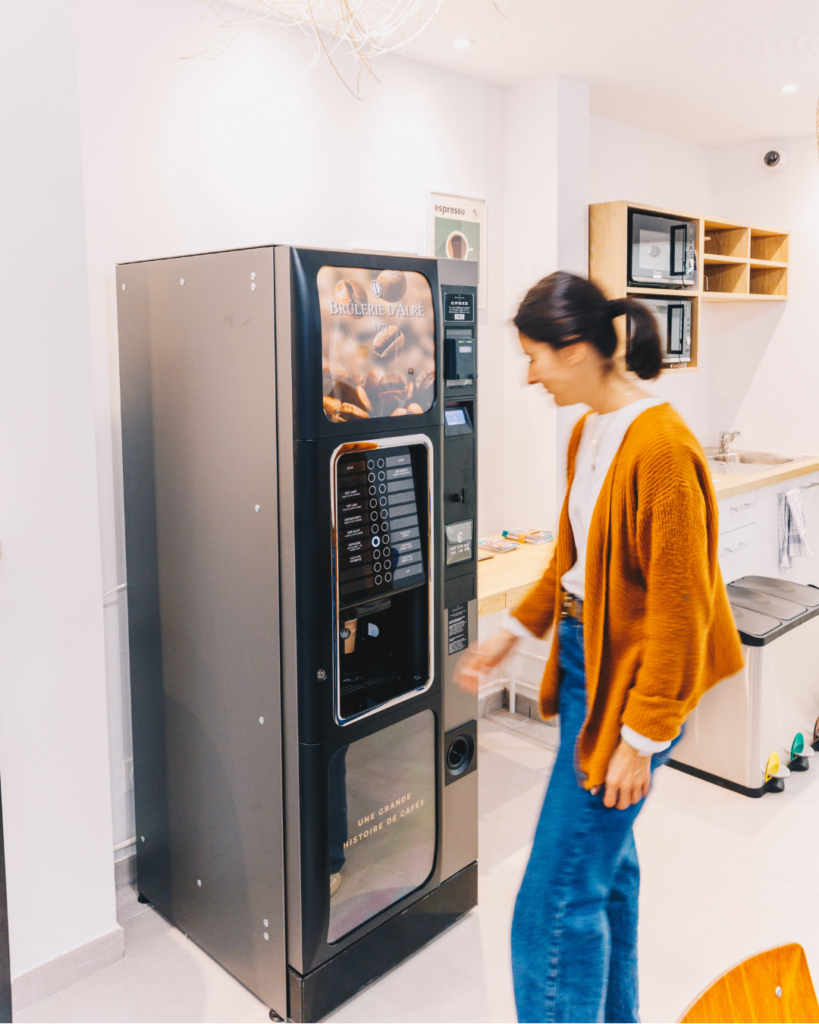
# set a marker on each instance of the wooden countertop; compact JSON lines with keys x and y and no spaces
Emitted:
{"x":728,"y":486}
{"x":504,"y":579}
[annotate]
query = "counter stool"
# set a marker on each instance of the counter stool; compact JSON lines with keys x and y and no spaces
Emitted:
{"x":772,"y":986}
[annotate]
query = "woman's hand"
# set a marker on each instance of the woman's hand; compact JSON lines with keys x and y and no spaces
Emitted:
{"x":482,"y":659}
{"x":628,"y":778}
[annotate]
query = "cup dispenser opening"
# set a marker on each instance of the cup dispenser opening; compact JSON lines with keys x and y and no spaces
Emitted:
{"x":383,"y":618}
{"x":389,"y":656}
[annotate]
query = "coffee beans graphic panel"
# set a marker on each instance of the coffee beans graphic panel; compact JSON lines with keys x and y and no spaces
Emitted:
{"x":378,"y":343}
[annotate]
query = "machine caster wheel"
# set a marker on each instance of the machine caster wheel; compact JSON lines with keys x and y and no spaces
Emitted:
{"x":275,"y":1016}
{"x":143,"y":899}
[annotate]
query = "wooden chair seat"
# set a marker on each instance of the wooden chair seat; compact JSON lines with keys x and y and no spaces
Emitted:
{"x":771,"y":987}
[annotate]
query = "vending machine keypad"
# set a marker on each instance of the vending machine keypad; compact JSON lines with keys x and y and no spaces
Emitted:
{"x":380,"y":548}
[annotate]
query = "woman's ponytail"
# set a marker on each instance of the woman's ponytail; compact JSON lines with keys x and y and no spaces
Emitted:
{"x":563,"y":309}
{"x":643,"y":353}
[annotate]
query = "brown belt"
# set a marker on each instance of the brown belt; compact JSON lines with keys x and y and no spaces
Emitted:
{"x":571,"y":608}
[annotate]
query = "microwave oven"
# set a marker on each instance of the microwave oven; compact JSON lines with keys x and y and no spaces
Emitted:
{"x":673,"y":318}
{"x":661,"y":251}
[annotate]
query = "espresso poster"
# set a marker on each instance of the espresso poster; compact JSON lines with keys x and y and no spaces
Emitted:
{"x":382,"y":821}
{"x":378,"y":343}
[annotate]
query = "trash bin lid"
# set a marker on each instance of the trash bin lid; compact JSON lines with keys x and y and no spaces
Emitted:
{"x":760,"y":601}
{"x":753,"y":626}
{"x":808,"y":596}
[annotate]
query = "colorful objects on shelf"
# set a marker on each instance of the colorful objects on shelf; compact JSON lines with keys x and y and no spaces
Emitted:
{"x":798,"y":745}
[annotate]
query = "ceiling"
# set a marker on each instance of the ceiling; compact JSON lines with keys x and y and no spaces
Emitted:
{"x":709,"y":71}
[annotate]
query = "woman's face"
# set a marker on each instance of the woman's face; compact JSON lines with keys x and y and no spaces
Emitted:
{"x":561,"y":371}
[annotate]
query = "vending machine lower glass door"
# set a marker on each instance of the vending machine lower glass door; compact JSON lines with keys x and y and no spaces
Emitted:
{"x":381,"y":820}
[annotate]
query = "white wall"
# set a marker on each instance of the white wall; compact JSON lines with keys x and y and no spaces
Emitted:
{"x":546,"y":146}
{"x":53,"y":736}
{"x":189,"y":155}
{"x":766,"y":358}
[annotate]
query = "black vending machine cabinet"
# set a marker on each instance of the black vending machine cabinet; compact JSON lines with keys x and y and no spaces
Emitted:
{"x":299,"y":455}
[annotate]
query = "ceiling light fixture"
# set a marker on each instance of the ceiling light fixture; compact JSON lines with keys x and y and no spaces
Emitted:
{"x":461,"y":44}
{"x":789,"y":88}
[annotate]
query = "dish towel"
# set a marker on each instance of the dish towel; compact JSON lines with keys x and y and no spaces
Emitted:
{"x":793,"y":534}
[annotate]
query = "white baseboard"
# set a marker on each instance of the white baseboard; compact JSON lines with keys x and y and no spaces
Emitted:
{"x":65,"y":970}
{"x":125,"y":871}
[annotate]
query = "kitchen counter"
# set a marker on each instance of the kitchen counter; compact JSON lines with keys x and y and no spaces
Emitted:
{"x":727,"y":485}
{"x":504,"y":579}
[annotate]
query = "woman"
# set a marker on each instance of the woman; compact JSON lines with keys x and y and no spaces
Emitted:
{"x":644,"y":630}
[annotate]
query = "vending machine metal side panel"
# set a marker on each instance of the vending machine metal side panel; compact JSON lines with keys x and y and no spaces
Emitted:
{"x":203,"y":439}
{"x":288,"y":618}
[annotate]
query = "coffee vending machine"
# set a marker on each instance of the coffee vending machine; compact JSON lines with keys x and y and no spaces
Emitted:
{"x":299,"y":438}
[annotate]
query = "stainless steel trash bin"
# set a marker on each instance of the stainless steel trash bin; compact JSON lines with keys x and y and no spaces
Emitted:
{"x":738,"y":724}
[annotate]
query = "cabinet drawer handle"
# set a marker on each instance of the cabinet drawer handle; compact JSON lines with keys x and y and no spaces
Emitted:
{"x":739,"y":547}
{"x":741,"y":508}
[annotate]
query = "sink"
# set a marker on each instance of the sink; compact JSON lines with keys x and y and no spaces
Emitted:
{"x":742,"y":463}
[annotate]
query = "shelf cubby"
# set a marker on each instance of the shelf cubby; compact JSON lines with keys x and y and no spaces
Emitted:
{"x":769,"y":246}
{"x":771,"y":282}
{"x":721,"y":239}
{"x":727,"y":278}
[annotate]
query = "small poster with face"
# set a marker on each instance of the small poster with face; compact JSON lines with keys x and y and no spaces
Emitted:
{"x":459,"y":233}
{"x":377,"y":343}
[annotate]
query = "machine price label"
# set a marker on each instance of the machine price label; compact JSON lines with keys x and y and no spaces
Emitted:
{"x":457,"y":628}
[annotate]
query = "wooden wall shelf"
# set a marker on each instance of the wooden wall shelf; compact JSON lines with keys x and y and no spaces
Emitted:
{"x":735,"y":263}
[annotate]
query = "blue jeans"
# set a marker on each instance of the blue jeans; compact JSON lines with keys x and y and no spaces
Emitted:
{"x":574,"y":933}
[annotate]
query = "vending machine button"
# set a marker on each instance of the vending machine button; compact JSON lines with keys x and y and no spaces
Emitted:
{"x":373,"y":516}
{"x":371,"y":477}
{"x":372,"y":490}
{"x":373,"y":502}
{"x":387,"y":564}
{"x":388,"y":577}
{"x":380,"y":463}
{"x":378,"y":581}
{"x":382,"y":476}
{"x":370,"y":464}
{"x":377,"y":567}
{"x":386,"y":550}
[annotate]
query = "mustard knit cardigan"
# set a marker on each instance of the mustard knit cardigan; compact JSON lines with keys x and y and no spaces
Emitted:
{"x":658,"y":628}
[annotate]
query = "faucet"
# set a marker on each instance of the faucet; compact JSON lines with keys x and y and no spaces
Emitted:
{"x":726,"y":439}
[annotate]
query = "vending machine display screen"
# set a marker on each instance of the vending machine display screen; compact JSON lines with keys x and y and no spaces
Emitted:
{"x":378,"y":343}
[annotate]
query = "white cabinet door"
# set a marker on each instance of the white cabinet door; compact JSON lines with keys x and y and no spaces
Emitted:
{"x":736,"y":553}
{"x":736,"y":512}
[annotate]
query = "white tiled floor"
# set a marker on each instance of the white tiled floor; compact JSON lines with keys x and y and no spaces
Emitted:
{"x":723,"y":877}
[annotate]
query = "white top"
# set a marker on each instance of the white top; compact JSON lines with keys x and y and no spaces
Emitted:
{"x":601,"y":440}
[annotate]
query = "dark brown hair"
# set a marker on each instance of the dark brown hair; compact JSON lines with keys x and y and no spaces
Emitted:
{"x":562,"y":309}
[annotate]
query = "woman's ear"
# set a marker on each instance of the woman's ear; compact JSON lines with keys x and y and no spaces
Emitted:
{"x":575,"y":353}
